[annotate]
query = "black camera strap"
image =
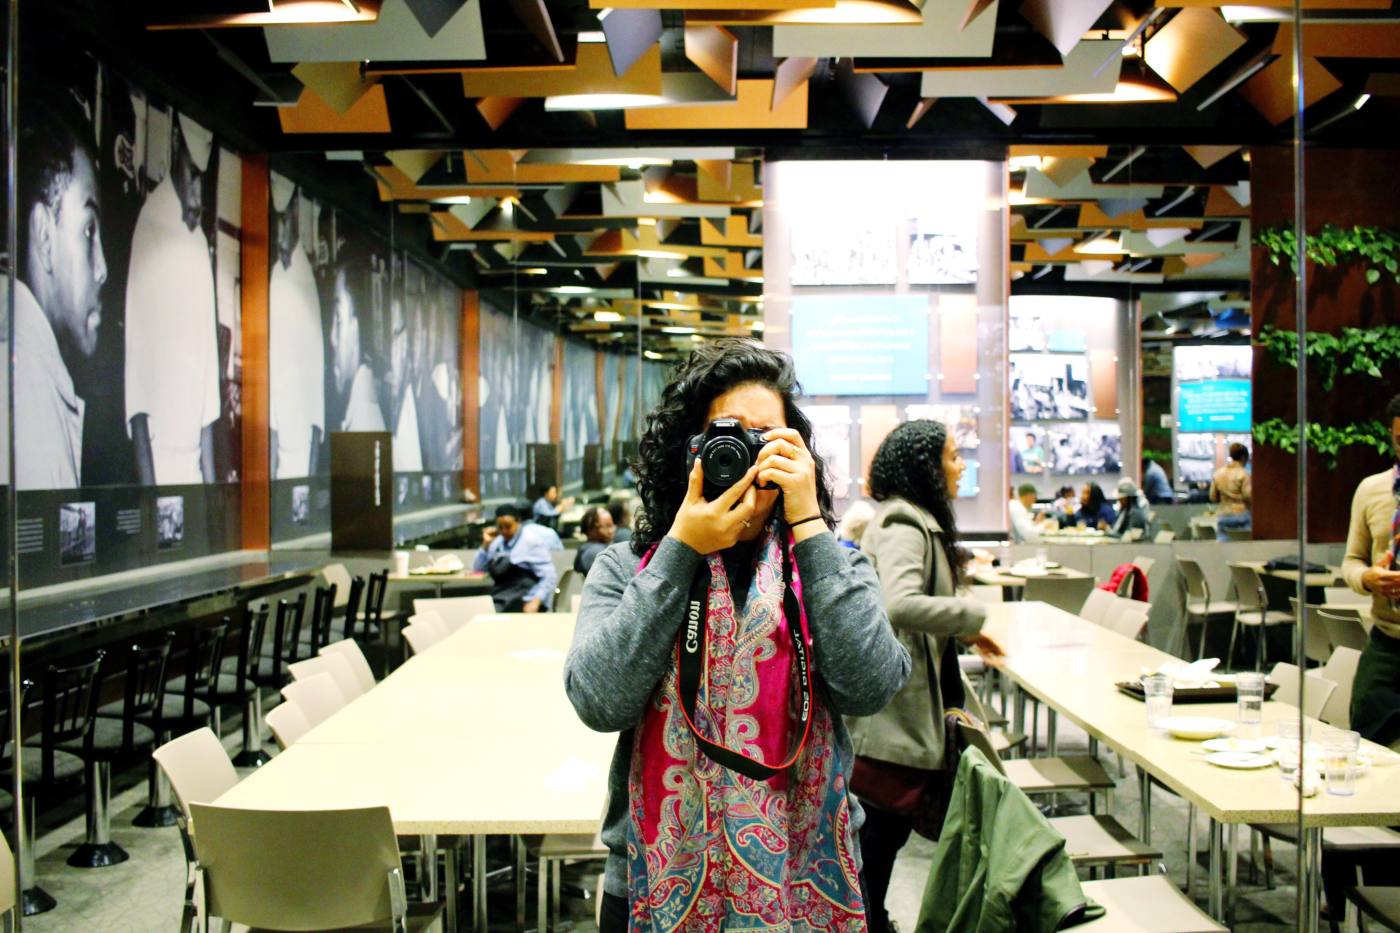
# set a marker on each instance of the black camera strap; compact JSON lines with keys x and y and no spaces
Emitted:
{"x":690,"y":665}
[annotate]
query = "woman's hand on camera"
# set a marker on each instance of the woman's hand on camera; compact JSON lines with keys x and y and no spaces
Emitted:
{"x":707,"y":526}
{"x":786,"y":461}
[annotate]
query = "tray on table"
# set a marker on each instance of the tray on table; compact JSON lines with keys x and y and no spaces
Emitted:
{"x":1222,"y":694}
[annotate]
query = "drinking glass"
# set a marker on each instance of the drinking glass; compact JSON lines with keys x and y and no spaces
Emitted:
{"x":1157,"y":688}
{"x":1339,"y":760}
{"x":1289,"y":733}
{"x":1249,"y":692}
{"x":1042,"y":557}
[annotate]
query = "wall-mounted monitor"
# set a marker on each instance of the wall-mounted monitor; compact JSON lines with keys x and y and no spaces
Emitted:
{"x":861,"y":344}
{"x":1213,"y":389}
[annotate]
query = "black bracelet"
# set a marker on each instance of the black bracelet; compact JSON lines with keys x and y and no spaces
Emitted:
{"x":803,"y":521}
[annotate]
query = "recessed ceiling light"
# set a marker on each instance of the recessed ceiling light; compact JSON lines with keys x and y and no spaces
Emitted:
{"x":606,"y":317}
{"x":571,"y":290}
{"x":677,"y":330}
{"x":658,"y":254}
{"x":677,"y":272}
{"x":602,"y":101}
{"x":651,"y":354}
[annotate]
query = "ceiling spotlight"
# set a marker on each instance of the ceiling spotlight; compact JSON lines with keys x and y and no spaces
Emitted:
{"x":651,"y":354}
{"x":571,"y":290}
{"x":677,"y":330}
{"x":606,"y":317}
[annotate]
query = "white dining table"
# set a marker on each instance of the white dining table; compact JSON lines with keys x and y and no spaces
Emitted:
{"x":1072,"y":665}
{"x":474,"y":737}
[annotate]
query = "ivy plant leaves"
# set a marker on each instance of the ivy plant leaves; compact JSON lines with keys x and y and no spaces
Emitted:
{"x":1323,"y":439}
{"x":1355,"y":351}
{"x":1377,"y":248}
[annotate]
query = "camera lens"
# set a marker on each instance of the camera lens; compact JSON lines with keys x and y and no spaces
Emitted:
{"x":724,"y":461}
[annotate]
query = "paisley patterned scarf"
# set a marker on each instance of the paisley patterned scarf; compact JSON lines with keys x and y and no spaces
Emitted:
{"x":710,"y":849}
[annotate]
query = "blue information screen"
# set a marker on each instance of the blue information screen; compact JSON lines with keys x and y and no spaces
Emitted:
{"x":1220,"y":405}
{"x":861,"y":344}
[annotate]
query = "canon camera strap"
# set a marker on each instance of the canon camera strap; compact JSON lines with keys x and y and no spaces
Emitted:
{"x":690,"y":663}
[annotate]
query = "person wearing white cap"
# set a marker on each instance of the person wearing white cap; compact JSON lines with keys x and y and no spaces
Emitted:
{"x":296,"y":345}
{"x":1132,"y":512}
{"x":173,"y":396}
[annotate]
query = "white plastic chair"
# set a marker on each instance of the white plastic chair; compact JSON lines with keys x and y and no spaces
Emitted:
{"x":273,"y":869}
{"x":1344,"y":628}
{"x":353,"y":654}
{"x":1067,"y":593}
{"x":1252,"y":610}
{"x":1130,"y":623}
{"x":1341,"y":670}
{"x":318,"y":696}
{"x":288,"y":724}
{"x":430,"y":621}
{"x":420,"y":637}
{"x":1165,"y":536}
{"x":1345,"y":596}
{"x":456,"y":611}
{"x":340,"y":576}
{"x":1319,"y":688}
{"x":199,"y":771}
{"x":1096,"y":605}
{"x":335,"y":664}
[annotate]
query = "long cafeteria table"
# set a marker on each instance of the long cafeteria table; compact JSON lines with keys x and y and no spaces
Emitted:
{"x":1071,"y":665}
{"x":474,"y":737}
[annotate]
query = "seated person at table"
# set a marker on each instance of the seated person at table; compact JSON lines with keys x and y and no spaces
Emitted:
{"x":1371,"y":567}
{"x":1155,"y":485}
{"x":1094,"y":510}
{"x":1231,"y":488}
{"x":622,"y":520}
{"x":1066,"y":504}
{"x":1025,"y":527}
{"x":598,"y":528}
{"x":1132,"y":513}
{"x":517,"y":557}
{"x":547,"y":507}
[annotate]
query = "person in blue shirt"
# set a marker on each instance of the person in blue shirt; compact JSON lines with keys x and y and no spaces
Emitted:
{"x":517,"y":557}
{"x":547,"y":507}
{"x":1155,"y":485}
{"x":1095,"y":510}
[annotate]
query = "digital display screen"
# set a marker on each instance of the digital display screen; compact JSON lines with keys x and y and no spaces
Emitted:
{"x":1221,"y":405}
{"x":861,"y":344}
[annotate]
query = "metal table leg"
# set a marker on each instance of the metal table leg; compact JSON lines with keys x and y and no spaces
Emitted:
{"x":427,"y":849}
{"x":1215,"y":906}
{"x":479,"y":883}
{"x":1310,"y":880}
{"x":1018,"y":714}
{"x":1052,"y":722}
{"x":1231,"y":871}
{"x":1145,"y":802}
{"x":449,"y":875}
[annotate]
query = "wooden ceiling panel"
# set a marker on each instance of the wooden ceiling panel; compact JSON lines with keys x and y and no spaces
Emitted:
{"x":842,"y":13}
{"x":1075,"y":76}
{"x":1190,"y":46}
{"x":715,"y":51}
{"x":937,"y":36}
{"x":592,"y":73}
{"x":1063,"y":22}
{"x":1271,"y":90}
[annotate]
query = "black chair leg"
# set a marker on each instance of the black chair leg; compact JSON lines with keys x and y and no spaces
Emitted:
{"x":159,"y":811}
{"x":33,"y":899}
{"x":98,"y":850}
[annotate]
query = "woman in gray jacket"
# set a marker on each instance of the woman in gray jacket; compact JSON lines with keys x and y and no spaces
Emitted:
{"x":912,"y":541}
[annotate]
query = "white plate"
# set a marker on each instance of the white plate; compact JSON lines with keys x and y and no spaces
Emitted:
{"x":1241,"y":760}
{"x":1246,"y":746}
{"x":1381,"y":759}
{"x":1196,"y":728}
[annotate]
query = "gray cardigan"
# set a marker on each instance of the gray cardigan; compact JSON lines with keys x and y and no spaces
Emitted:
{"x":903,"y":542}
{"x":624,"y":642}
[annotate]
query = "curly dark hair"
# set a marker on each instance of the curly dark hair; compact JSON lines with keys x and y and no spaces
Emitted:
{"x":909,"y":466}
{"x":711,"y":370}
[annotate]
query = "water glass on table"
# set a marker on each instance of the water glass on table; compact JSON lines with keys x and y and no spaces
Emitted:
{"x":1339,"y":754}
{"x":1290,"y":733}
{"x":1157,"y":690}
{"x":1249,"y":700}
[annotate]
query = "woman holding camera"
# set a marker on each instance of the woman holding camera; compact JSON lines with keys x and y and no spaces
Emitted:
{"x":913,"y":542}
{"x":725,"y":641}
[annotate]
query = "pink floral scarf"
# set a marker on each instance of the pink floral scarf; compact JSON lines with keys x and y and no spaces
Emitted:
{"x":710,"y":849}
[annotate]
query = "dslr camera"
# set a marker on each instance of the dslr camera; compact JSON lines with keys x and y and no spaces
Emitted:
{"x":726,"y":451}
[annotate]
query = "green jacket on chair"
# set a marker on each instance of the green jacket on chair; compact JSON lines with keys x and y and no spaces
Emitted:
{"x":999,"y":865}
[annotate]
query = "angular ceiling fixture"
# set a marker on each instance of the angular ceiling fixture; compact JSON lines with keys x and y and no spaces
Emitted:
{"x":1190,"y":46}
{"x":838,"y":13}
{"x":432,"y":15}
{"x":394,"y":36}
{"x":339,"y":84}
{"x":789,"y":75}
{"x":715,"y":51}
{"x":630,"y":33}
{"x":1064,"y":22}
{"x":191,"y":14}
{"x":863,"y":93}
{"x":535,"y":15}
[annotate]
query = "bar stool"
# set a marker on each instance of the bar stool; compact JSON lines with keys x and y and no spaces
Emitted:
{"x":286,"y":639}
{"x":180,"y":711}
{"x":322,"y":614}
{"x":116,"y":740}
{"x":244,"y":667}
{"x":68,"y":694}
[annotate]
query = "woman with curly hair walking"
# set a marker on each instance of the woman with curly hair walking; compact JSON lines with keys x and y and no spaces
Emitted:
{"x":913,"y":543}
{"x":725,"y":641}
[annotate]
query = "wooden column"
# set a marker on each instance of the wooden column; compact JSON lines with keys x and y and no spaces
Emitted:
{"x":256,"y":471}
{"x":471,"y":383}
{"x":600,"y":391}
{"x":1344,"y":187}
{"x":556,"y":402}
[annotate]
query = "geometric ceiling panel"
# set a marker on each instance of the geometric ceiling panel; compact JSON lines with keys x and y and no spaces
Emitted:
{"x":1063,"y":22}
{"x":1186,"y":49}
{"x":592,"y":73}
{"x":370,"y":114}
{"x":628,"y":199}
{"x":1271,"y":90}
{"x":432,"y":15}
{"x":1083,"y":188}
{"x":338,"y":84}
{"x":396,"y":36}
{"x":1206,"y":156}
{"x":629,"y":34}
{"x":938,"y":36}
{"x":843,"y":13}
{"x":751,"y":109}
{"x":1075,"y":76}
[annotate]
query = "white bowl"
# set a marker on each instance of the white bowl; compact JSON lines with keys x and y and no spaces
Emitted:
{"x":1197,"y":728}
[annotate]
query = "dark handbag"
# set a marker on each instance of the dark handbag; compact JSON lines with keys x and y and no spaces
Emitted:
{"x":920,"y":795}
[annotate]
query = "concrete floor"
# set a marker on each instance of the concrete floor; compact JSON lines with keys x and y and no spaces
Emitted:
{"x":144,"y":895}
